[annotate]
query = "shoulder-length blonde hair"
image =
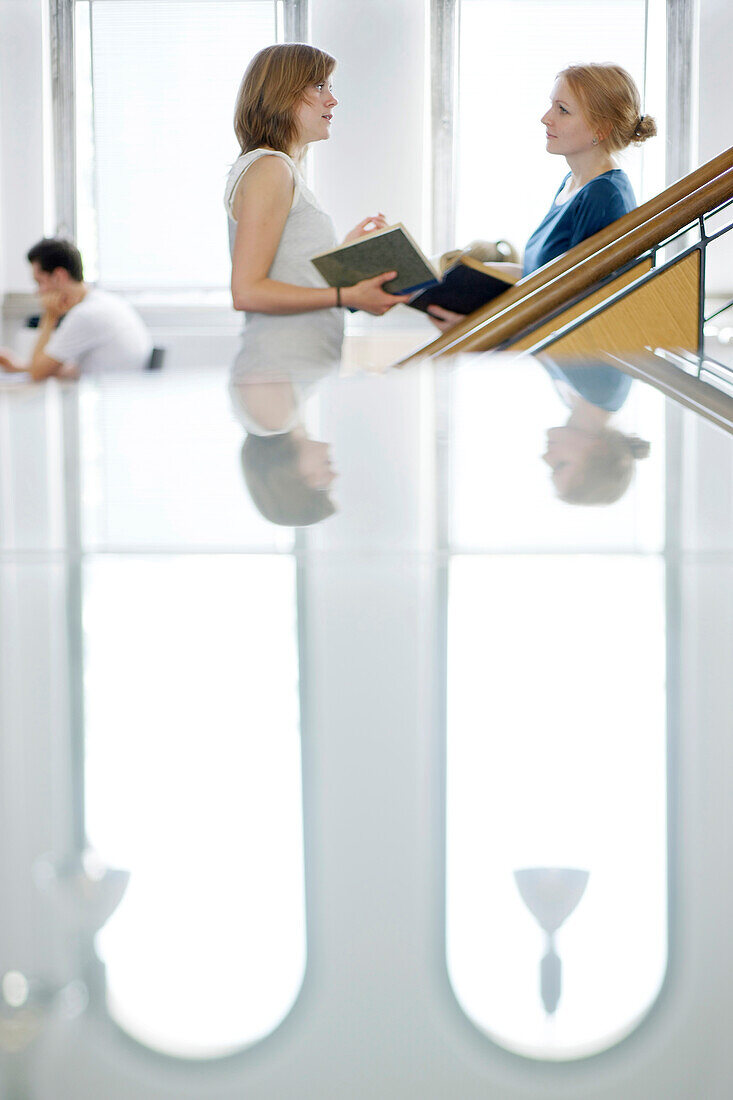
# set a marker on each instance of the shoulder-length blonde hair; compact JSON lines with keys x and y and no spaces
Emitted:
{"x":272,"y":87}
{"x":610,"y":101}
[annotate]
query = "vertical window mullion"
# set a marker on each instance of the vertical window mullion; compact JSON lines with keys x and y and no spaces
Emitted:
{"x":681,"y":21}
{"x":63,"y":106}
{"x":444,"y":61}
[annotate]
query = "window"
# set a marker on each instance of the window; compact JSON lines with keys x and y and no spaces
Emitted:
{"x":193,"y":785}
{"x":154,"y":92}
{"x":192,"y":772}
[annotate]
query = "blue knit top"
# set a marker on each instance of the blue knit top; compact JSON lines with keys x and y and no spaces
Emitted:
{"x":601,"y":201}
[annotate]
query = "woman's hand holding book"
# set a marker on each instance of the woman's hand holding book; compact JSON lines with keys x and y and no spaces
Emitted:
{"x":444,"y":319}
{"x":369,"y":296}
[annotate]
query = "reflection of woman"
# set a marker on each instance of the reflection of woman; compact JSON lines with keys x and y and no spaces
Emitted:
{"x":591,"y":462}
{"x":288,"y":476}
{"x":595,"y":112}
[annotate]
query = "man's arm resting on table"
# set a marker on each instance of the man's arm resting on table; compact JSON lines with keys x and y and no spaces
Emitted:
{"x":41,"y":365}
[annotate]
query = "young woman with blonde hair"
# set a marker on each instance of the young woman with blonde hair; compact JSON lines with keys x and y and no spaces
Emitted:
{"x":595,"y":112}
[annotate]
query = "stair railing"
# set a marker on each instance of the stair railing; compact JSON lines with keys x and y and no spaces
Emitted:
{"x":536,"y":297}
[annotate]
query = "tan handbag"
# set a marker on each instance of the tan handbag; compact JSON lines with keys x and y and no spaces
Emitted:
{"x":488,"y":252}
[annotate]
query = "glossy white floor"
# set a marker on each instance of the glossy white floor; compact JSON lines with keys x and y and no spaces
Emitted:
{"x":323,"y":754}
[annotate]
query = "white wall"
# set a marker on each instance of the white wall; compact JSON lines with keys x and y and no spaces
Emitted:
{"x":715,"y":126}
{"x":3,"y":96}
{"x":21,"y":138}
{"x":715,"y":78}
{"x":374,"y":160}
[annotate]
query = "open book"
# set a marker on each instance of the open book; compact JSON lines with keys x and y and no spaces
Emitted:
{"x":390,"y":249}
{"x":465,"y":286}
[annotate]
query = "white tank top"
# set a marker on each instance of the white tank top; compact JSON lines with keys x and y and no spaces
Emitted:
{"x":301,"y":346}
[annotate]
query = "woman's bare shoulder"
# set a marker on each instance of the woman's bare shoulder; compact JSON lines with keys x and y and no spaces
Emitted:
{"x":268,"y":176}
{"x":272,"y":165}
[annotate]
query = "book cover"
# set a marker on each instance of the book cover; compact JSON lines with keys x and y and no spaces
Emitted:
{"x":390,"y":249}
{"x":465,"y":287}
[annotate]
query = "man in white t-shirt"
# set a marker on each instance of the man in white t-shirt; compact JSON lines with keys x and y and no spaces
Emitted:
{"x":81,"y":328}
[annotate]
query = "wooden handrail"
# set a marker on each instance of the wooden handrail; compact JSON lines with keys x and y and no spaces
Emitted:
{"x":668,"y":212}
{"x":554,"y":295}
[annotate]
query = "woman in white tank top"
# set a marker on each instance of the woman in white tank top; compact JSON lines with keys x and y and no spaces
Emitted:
{"x":293,"y":322}
{"x":285,"y":102}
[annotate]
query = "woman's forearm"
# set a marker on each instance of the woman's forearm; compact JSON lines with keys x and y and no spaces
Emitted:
{"x":271,"y":296}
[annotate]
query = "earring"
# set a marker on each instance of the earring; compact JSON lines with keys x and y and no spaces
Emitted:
{"x":595,"y":141}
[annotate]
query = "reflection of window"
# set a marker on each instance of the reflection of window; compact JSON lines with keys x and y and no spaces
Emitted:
{"x":145,"y":483}
{"x":156,"y":82}
{"x":556,"y":759}
{"x":192,"y":723}
{"x":507,"y":55}
{"x":556,"y":729}
{"x":193,"y":783}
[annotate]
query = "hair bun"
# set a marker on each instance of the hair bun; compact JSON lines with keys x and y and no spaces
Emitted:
{"x":645,"y":128}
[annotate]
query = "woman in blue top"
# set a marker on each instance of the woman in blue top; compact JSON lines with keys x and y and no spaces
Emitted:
{"x":595,"y":112}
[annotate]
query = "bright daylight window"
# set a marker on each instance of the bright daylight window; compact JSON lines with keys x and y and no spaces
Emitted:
{"x":556,"y":864}
{"x":509,"y":54}
{"x":156,"y":82}
{"x":193,"y":784}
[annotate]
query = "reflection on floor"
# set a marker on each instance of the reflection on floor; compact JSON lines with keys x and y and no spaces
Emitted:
{"x":482,"y":647}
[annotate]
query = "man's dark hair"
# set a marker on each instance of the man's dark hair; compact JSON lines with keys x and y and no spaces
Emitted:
{"x":52,"y":252}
